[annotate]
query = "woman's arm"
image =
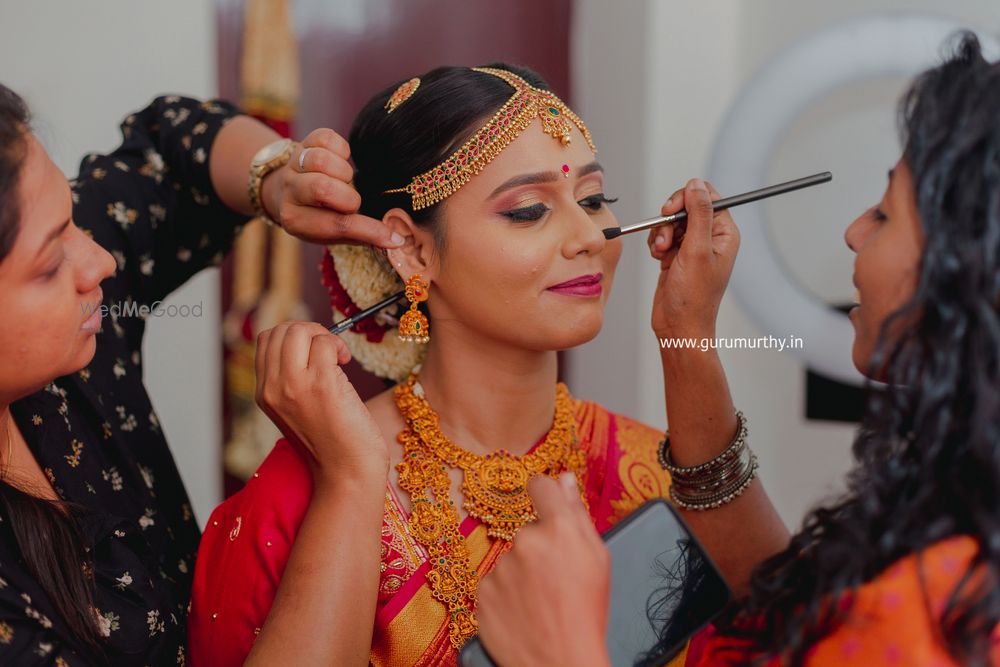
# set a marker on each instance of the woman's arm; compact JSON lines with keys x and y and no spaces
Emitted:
{"x":324,"y":609}
{"x":171,"y":198}
{"x":702,"y":421}
{"x":700,"y":411}
{"x":152,"y":202}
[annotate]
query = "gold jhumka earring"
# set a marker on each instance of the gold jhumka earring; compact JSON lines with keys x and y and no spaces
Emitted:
{"x":413,"y":327}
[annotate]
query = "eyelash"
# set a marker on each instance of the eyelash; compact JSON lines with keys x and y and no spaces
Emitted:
{"x":596,"y":202}
{"x":526,"y":213}
{"x":49,"y":275}
{"x":534,"y":212}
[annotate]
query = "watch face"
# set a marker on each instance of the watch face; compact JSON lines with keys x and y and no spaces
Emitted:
{"x":271,"y":151}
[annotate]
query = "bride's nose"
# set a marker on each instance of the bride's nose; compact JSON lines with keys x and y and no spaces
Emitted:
{"x":584,"y":235}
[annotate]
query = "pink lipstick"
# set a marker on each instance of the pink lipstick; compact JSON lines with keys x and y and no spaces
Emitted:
{"x":588,"y":285}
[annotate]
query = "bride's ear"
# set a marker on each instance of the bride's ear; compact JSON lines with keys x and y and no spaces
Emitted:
{"x":416,"y":255}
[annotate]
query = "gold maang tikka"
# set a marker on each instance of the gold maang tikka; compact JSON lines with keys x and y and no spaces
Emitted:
{"x":516,"y":114}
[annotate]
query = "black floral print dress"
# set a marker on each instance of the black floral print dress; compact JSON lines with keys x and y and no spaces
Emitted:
{"x":95,"y":433}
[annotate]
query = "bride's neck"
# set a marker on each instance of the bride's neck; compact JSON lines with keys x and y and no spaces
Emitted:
{"x":489,"y":395}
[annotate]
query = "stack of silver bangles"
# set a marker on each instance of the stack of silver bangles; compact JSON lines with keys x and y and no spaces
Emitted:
{"x":717,"y":482}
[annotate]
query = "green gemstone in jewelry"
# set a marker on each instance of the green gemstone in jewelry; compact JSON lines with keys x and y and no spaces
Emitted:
{"x":553,"y":111}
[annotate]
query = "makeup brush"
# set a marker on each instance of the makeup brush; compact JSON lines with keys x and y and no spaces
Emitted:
{"x":722,"y":204}
{"x":615,"y":232}
{"x":345,"y":324}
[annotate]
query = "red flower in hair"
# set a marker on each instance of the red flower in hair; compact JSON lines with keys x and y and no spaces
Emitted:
{"x":341,"y":301}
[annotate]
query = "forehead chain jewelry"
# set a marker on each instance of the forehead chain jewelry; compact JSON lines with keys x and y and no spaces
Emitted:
{"x":525,"y":104}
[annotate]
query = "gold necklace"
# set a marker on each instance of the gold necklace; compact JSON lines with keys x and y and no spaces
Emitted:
{"x":494,"y":487}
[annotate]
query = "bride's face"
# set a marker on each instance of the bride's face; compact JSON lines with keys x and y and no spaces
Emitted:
{"x":523,"y":259}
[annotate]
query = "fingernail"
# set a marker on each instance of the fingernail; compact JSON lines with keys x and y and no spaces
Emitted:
{"x":568,"y":481}
{"x":397,"y":238}
{"x":660,"y":239}
{"x":670,"y":201}
{"x":698,"y":184}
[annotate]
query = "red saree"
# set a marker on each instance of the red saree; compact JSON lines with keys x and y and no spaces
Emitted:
{"x":893,"y":619}
{"x":249,"y":538}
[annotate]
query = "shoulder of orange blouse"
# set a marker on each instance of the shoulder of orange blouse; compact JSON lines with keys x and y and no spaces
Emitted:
{"x":894,"y":618}
{"x":932,"y":574}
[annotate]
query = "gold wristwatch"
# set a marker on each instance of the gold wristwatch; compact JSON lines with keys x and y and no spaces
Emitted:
{"x":273,"y":156}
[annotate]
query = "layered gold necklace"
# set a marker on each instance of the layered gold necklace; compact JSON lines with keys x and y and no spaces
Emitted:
{"x":494,"y":486}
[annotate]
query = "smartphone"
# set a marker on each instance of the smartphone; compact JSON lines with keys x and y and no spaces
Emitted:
{"x":664,"y":589}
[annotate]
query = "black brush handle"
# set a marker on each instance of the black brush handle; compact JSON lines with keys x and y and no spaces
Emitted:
{"x":344,"y":325}
{"x":723,"y":204}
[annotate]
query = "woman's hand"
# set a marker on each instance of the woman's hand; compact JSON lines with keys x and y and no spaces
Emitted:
{"x":324,"y":610}
{"x":546,"y":602}
{"x":315,"y":200}
{"x":302,"y":388}
{"x":695,"y":269}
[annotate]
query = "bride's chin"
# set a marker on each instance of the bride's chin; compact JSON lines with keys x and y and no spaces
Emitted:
{"x":577,"y":335}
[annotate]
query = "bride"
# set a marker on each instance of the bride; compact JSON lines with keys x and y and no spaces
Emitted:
{"x":492,"y":181}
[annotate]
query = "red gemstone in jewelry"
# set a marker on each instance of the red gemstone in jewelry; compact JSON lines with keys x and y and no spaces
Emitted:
{"x":565,"y":170}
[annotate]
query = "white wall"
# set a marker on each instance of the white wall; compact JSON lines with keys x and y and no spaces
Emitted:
{"x":82,"y":66}
{"x":653,"y":80}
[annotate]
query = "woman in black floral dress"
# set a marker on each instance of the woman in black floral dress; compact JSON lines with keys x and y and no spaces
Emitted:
{"x":97,"y":536}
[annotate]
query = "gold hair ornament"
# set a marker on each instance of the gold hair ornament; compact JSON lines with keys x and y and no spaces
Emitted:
{"x":403,"y":93}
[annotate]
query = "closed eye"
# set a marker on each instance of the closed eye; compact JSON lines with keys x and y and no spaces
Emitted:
{"x":526,"y":213}
{"x":596,"y":202}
